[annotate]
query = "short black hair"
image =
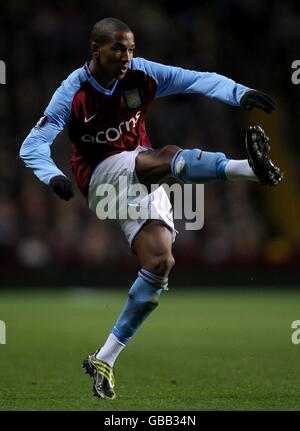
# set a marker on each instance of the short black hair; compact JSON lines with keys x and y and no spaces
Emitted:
{"x":102,"y":31}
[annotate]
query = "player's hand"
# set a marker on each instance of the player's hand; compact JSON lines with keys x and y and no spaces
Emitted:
{"x":62,"y":186}
{"x":257,"y":99}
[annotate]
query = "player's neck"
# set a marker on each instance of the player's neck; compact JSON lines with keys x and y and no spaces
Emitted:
{"x":101,"y":78}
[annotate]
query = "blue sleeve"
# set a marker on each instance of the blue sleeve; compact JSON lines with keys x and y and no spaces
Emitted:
{"x":175,"y":80}
{"x":35,"y":150}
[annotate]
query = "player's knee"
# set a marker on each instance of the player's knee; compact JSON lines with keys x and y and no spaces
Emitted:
{"x":162,"y":265}
{"x":168,"y":152}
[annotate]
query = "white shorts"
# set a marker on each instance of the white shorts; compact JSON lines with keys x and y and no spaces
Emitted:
{"x":113,"y":193}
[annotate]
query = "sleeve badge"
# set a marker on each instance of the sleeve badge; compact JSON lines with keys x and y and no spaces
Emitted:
{"x":42,"y":121}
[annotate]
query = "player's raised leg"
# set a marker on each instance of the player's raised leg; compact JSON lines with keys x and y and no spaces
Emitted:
{"x":153,"y":247}
{"x":197,"y":166}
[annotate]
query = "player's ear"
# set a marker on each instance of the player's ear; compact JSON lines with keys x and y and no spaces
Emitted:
{"x":95,"y":49}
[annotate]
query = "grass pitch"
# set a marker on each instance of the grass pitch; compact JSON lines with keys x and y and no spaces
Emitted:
{"x":200,"y":350}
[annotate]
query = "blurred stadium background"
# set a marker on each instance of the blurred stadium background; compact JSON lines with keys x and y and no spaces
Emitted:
{"x":251,"y":234}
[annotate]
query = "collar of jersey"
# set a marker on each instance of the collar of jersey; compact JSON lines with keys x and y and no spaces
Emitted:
{"x":95,"y":84}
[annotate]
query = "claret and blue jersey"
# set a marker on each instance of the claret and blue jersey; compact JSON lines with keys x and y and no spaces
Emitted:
{"x":102,"y":122}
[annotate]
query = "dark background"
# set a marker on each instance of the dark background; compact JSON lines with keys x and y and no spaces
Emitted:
{"x":251,"y":233}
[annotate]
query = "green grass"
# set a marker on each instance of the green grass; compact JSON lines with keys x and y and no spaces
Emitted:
{"x":200,"y":350}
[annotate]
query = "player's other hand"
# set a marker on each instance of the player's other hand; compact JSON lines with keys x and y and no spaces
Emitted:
{"x":62,"y":186}
{"x":257,"y":99}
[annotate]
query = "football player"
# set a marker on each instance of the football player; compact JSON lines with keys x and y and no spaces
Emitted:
{"x":104,"y":106}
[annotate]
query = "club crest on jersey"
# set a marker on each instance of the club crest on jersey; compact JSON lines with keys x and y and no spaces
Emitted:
{"x":133,"y":98}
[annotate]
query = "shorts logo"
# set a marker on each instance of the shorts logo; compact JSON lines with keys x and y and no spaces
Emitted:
{"x":133,"y":98}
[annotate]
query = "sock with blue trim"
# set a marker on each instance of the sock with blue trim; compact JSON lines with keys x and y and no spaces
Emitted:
{"x":142,"y":300}
{"x":197,"y":166}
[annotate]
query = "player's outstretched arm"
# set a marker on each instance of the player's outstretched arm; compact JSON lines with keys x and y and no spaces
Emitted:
{"x":36,"y":148}
{"x":176,"y":80}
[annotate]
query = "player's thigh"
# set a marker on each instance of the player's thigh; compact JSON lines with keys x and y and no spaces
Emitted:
{"x":153,"y":166}
{"x":153,"y":246}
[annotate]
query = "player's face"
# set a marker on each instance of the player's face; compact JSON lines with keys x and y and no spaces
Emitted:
{"x":115,"y":55}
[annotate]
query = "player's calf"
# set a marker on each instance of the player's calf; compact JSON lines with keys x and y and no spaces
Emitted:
{"x":198,"y":166}
{"x":143,"y":298}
